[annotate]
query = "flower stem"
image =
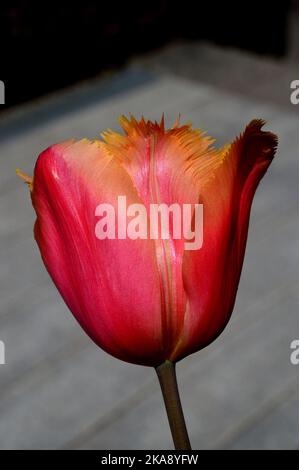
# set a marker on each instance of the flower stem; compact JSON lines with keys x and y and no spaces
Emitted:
{"x":168,"y":382}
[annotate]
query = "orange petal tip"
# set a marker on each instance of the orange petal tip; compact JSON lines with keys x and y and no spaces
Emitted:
{"x":26,"y":178}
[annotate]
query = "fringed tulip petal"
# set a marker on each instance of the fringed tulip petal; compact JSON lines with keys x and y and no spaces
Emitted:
{"x":211,"y":275}
{"x":147,"y":300}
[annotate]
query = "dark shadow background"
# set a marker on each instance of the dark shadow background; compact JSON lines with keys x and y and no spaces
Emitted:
{"x":49,"y":45}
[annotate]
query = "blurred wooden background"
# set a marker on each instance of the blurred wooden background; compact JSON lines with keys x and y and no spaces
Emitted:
{"x":58,"y":390}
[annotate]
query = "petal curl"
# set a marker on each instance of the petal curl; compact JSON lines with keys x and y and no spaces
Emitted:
{"x":211,"y":275}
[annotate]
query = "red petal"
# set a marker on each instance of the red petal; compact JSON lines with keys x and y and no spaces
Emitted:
{"x":211,"y":275}
{"x":111,"y":286}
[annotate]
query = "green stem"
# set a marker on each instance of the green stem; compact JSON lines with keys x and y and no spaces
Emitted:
{"x":168,"y":382}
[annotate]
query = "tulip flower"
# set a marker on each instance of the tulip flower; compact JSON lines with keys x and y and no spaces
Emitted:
{"x":148,"y":300}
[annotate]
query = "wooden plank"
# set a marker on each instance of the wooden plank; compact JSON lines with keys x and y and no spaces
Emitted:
{"x":276,"y":429}
{"x":230,"y":70}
